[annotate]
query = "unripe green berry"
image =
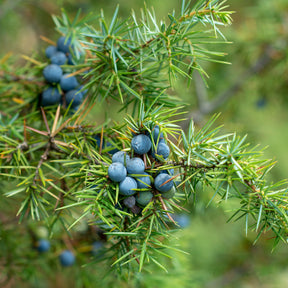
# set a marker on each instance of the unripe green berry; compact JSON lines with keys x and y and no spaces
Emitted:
{"x":169,"y":194}
{"x":144,"y":197}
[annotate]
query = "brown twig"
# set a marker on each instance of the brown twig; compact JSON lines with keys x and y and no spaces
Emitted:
{"x":43,"y":158}
{"x":166,"y":210}
{"x":45,"y":120}
{"x":18,"y":78}
{"x":205,"y":106}
{"x":142,"y":220}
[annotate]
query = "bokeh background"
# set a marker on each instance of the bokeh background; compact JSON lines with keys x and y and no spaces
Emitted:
{"x":252,"y":95}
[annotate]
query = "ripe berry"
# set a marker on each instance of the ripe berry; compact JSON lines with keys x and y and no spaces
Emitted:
{"x":107,"y":146}
{"x":121,"y":157}
{"x":96,"y":189}
{"x":50,"y":50}
{"x":67,"y":258}
{"x":143,"y":181}
{"x":156,"y":134}
{"x":160,"y":180}
{"x":135,"y":166}
{"x":43,"y":245}
{"x":97,"y":245}
{"x":97,"y":137}
{"x":58,"y":58}
{"x":111,"y":149}
{"x":83,"y":91}
{"x":52,"y":73}
{"x":144,"y":197}
{"x":117,"y":172}
{"x":128,"y":186}
{"x":168,"y":171}
{"x":163,"y":150}
{"x":141,"y":144}
{"x":50,"y":96}
{"x":68,"y":83}
{"x":74,"y":95}
{"x":70,"y":59}
{"x":182,"y":220}
{"x":97,"y":248}
{"x":129,"y":202}
{"x":64,"y":44}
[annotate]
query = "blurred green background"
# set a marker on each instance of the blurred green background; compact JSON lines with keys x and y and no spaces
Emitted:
{"x":251,"y":95}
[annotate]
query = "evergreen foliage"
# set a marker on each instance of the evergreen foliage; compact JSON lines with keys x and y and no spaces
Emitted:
{"x":58,"y":160}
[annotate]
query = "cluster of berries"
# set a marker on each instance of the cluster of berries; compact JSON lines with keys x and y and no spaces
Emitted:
{"x":137,"y":184}
{"x":60,"y":82}
{"x":67,"y":257}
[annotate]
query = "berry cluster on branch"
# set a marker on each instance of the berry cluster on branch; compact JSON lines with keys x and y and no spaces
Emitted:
{"x":60,"y":82}
{"x":127,"y":178}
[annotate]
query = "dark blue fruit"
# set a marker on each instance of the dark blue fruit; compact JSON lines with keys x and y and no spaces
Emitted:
{"x":97,"y":248}
{"x":117,"y":172}
{"x":58,"y":58}
{"x":160,"y":180}
{"x":129,"y":202}
{"x":74,"y":95}
{"x":70,"y":59}
{"x":128,"y":186}
{"x":108,"y":147}
{"x":83,"y":91}
{"x":64,"y":44}
{"x":143,"y":181}
{"x":111,"y":149}
{"x":68,"y":82}
{"x":135,"y":166}
{"x":121,"y":157}
{"x":182,"y":220}
{"x":43,"y":245}
{"x":168,"y":171}
{"x":141,"y":144}
{"x":50,"y":50}
{"x":67,"y":258}
{"x":262,"y":102}
{"x":96,"y":189}
{"x":50,"y":96}
{"x":157,"y":136}
{"x":52,"y":73}
{"x":97,"y":137}
{"x":163,"y":150}
{"x":144,"y":197}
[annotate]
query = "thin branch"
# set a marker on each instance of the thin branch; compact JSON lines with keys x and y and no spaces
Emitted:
{"x":181,"y":19}
{"x":18,"y":78}
{"x":262,"y":62}
{"x":45,"y":120}
{"x":166,"y":210}
{"x":206,"y":107}
{"x":43,"y":158}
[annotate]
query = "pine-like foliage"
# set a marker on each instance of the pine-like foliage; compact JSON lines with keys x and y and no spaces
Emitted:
{"x":57,"y":159}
